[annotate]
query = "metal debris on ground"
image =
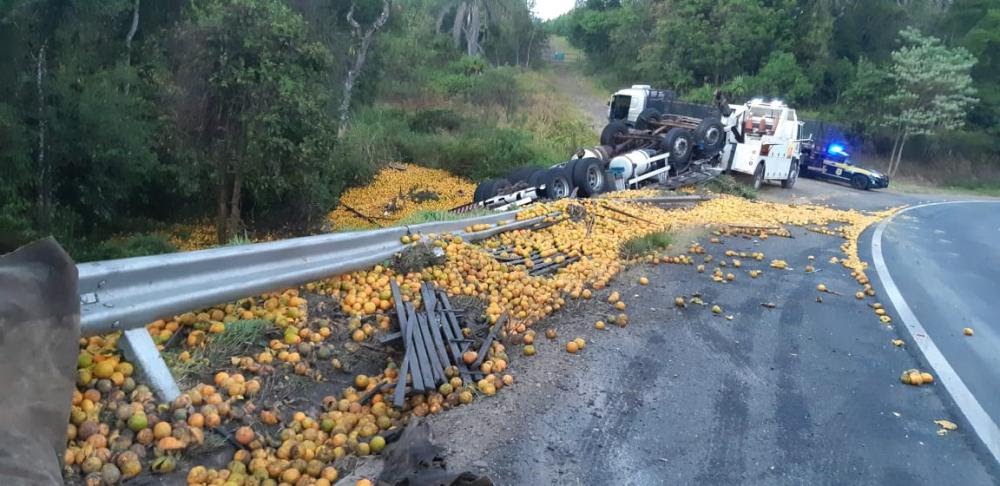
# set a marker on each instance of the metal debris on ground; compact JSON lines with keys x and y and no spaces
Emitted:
{"x":432,"y":341}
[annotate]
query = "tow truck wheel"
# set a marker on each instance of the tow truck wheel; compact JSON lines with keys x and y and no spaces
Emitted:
{"x":758,"y":176}
{"x":859,"y":181}
{"x":792,"y":176}
{"x":588,"y":175}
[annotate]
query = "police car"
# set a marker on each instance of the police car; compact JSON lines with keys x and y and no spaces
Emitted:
{"x":834,"y":163}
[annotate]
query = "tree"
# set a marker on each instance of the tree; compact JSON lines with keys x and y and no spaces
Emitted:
{"x":975,"y":25}
{"x":782,"y":77}
{"x":364,"y":41}
{"x":252,"y":82}
{"x":933,"y":89}
{"x":864,"y":101}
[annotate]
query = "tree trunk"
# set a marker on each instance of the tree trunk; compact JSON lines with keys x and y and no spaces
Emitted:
{"x":892,"y":155}
{"x":44,"y":201}
{"x":458,"y":25}
{"x":359,"y":61}
{"x":235,"y":214}
{"x":472,"y":34}
{"x":221,"y":209}
{"x":128,"y":39}
{"x":440,"y":18}
{"x":531,"y":41}
{"x":899,"y":154}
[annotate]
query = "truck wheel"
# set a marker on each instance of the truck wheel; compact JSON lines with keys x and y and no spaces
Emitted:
{"x":711,"y":135}
{"x":648,"y":115}
{"x":558,"y":183}
{"x":488,"y":189}
{"x":588,"y":175}
{"x":678,"y":143}
{"x":859,"y":181}
{"x":611,"y":131}
{"x":792,"y":176}
{"x":758,"y":176}
{"x":537,"y":178}
{"x":521,"y":174}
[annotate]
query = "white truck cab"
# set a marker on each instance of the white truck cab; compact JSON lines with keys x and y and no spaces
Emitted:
{"x":627,"y":104}
{"x":763,"y":141}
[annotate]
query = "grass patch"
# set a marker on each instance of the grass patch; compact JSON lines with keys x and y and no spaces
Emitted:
{"x":727,"y":184}
{"x":421,"y":217}
{"x":239,"y":338}
{"x":976,"y":188}
{"x":416,"y":258}
{"x":644,"y":245}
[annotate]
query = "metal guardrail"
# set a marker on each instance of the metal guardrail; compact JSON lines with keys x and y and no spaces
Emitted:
{"x":129,"y":293}
{"x":132,"y":292}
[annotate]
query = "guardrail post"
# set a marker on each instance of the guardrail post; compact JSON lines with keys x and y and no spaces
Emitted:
{"x":140,"y":349}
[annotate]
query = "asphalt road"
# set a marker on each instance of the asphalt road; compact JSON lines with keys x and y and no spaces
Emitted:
{"x":945,"y":261}
{"x":804,"y":393}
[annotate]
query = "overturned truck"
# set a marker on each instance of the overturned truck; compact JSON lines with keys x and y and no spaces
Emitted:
{"x":644,"y":142}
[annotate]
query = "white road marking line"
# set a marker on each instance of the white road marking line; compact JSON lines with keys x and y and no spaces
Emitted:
{"x":982,"y":424}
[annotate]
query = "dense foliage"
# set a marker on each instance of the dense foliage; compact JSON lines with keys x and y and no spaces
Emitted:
{"x":886,"y":68}
{"x":121,"y":116}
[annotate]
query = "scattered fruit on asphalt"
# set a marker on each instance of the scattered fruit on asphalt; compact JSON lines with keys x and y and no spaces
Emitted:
{"x":679,"y":302}
{"x":599,"y":325}
{"x":968,"y":331}
{"x":572,"y":347}
{"x":716,"y":309}
{"x":898,"y":342}
{"x":821,"y":287}
{"x":643,"y":281}
{"x":916,"y":377}
{"x":945,"y":426}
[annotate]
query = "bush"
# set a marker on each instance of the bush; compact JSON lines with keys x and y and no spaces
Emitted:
{"x":127,"y":247}
{"x":435,"y":119}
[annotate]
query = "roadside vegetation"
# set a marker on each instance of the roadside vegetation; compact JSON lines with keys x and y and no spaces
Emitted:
{"x":727,"y":184}
{"x":121,"y":140}
{"x":645,"y":245}
{"x":916,"y":83}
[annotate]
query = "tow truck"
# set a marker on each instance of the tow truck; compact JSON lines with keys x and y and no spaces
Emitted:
{"x":835,"y":164}
{"x":763,"y":142}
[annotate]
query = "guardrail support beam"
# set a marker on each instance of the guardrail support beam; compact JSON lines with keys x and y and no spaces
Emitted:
{"x":140,"y":349}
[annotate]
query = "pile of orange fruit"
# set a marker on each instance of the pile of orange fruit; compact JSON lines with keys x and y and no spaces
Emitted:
{"x":397,"y":192}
